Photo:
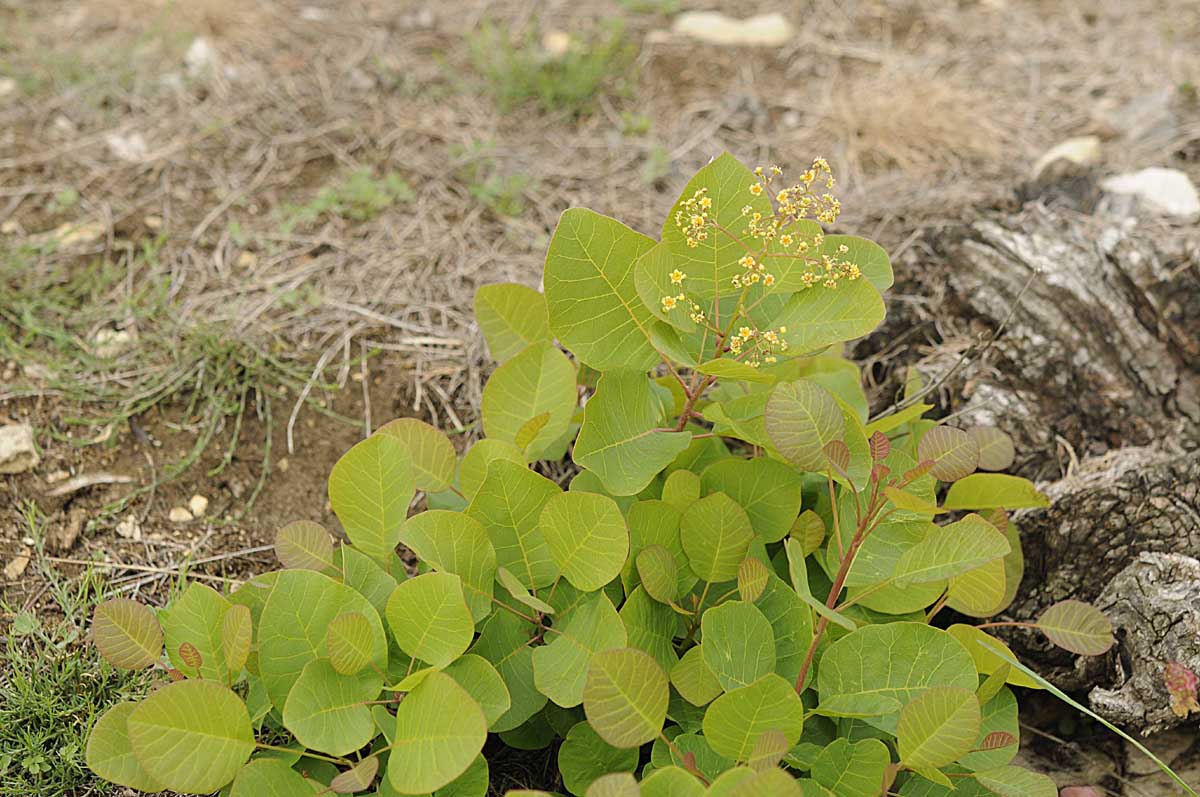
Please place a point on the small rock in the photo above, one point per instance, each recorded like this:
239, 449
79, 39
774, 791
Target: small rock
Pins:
10, 227
130, 529
179, 514
62, 538
17, 451
247, 260
198, 505
110, 342
57, 476
7, 86
282, 465
556, 43
200, 57
764, 30
14, 569
131, 148
1166, 191
153, 223
1082, 151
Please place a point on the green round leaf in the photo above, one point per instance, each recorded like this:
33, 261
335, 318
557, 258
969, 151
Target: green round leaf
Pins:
852, 769
992, 490
305, 545
734, 721
953, 452
768, 490
769, 750
680, 489
590, 293
870, 257
511, 317
538, 380
996, 450
192, 632
692, 678
620, 439
1078, 627
267, 777
504, 642
349, 641
440, 729
614, 784
508, 504
433, 457
560, 668
370, 489
987, 662
472, 783
979, 592
801, 417
752, 578
715, 533
651, 627
819, 316
110, 754
893, 660
1013, 781
454, 542
938, 727
236, 633
739, 645
950, 551
999, 734
809, 531
191, 736
584, 757
127, 634
626, 697
475, 462
327, 711
671, 781
477, 675
658, 572
587, 537
429, 618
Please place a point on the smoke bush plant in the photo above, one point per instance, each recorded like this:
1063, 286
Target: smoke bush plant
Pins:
733, 596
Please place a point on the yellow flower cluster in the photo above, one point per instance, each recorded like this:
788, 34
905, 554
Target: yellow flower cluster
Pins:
797, 201
669, 303
830, 270
755, 272
759, 347
692, 218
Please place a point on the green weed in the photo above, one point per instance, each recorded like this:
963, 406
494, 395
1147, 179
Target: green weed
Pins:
568, 83
501, 192
357, 196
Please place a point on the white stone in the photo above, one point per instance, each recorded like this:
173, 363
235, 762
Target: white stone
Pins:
198, 505
17, 451
14, 569
130, 529
556, 43
200, 57
1082, 151
179, 514
111, 342
1166, 191
131, 148
7, 86
764, 30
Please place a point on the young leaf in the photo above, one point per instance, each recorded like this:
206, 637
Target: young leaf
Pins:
191, 736
734, 721
938, 727
739, 644
658, 572
1078, 627
454, 542
190, 656
593, 304
979, 592
992, 490
954, 453
370, 489
508, 503
305, 545
110, 754
715, 533
620, 440
801, 417
127, 634
626, 697
587, 538
515, 588
996, 450
433, 457
752, 578
511, 317
429, 618
881, 446
327, 711
358, 778
560, 668
440, 729
692, 678
348, 639
837, 454
538, 380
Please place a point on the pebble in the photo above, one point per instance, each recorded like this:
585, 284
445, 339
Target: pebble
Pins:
17, 450
1169, 192
713, 27
179, 514
198, 505
130, 529
14, 569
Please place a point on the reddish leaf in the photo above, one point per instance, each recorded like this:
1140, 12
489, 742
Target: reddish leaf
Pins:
838, 454
999, 518
1181, 683
190, 656
174, 674
997, 740
881, 446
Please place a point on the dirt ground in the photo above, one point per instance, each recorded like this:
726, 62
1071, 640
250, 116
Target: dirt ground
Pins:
236, 237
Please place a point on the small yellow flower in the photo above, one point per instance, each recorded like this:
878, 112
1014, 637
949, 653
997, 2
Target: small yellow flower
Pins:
745, 333
770, 358
843, 249
770, 337
831, 283
746, 262
786, 240
758, 170
808, 278
753, 278
669, 302
768, 280
697, 221
678, 277
782, 196
783, 330
756, 189
776, 170
737, 281
706, 202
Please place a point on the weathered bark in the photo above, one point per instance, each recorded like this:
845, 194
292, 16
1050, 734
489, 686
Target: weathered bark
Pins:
1096, 375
